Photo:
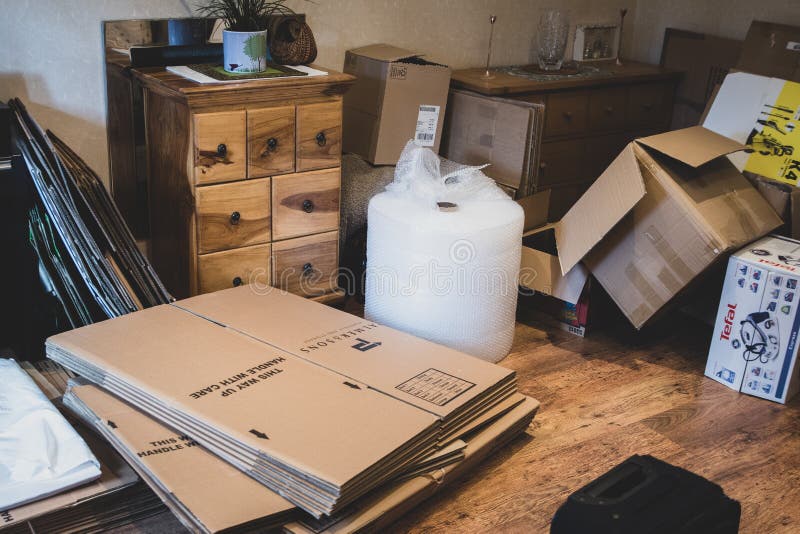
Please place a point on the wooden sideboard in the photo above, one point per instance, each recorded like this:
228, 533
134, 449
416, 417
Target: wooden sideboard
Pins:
588, 120
243, 181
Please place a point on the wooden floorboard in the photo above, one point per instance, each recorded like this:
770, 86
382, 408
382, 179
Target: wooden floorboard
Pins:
614, 394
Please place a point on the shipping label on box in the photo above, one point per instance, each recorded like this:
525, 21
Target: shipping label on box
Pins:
754, 347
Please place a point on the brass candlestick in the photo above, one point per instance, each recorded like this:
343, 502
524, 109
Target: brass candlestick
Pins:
622, 13
488, 75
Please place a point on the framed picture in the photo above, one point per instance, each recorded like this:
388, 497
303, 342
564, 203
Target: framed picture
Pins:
595, 42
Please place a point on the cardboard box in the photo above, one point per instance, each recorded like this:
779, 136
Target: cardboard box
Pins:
784, 199
667, 207
398, 96
562, 296
762, 113
754, 347
771, 50
502, 132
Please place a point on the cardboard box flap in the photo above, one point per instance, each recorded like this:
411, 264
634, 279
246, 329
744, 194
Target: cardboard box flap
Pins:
384, 52
693, 146
540, 271
536, 208
603, 205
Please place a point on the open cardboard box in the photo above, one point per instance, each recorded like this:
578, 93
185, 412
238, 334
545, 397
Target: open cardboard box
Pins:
563, 296
667, 208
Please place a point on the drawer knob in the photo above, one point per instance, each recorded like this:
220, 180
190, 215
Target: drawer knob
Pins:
321, 140
307, 269
543, 165
308, 206
235, 217
272, 144
609, 110
222, 150
567, 115
237, 281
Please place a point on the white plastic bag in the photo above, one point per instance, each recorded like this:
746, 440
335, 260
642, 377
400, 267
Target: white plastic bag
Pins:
445, 273
40, 453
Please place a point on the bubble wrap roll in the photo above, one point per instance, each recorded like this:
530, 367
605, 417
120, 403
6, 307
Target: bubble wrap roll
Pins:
447, 276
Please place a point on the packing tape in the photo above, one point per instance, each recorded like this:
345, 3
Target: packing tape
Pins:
644, 287
670, 256
670, 282
641, 314
743, 216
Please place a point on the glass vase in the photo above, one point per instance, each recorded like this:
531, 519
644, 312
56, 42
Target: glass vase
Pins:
552, 38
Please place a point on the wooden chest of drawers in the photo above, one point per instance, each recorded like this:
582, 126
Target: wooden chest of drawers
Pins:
243, 182
588, 120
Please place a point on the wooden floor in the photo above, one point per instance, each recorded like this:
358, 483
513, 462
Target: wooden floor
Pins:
605, 398
612, 395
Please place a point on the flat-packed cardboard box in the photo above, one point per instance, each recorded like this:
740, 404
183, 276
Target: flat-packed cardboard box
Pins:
667, 207
503, 132
398, 96
754, 347
771, 50
566, 295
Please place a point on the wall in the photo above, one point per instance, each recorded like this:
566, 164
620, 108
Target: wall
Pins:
723, 18
53, 54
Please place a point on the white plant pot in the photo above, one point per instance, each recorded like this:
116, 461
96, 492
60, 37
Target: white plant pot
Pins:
244, 51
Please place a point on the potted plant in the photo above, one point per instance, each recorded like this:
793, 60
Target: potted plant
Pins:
244, 41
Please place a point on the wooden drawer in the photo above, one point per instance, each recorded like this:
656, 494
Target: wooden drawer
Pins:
319, 135
561, 162
231, 268
305, 203
233, 215
270, 141
607, 109
565, 114
220, 147
307, 265
649, 105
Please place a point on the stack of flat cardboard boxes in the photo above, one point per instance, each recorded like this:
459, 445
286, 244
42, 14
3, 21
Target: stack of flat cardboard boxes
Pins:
250, 377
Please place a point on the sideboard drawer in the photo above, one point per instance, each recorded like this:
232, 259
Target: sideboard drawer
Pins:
231, 268
319, 135
307, 265
233, 215
607, 109
565, 114
305, 203
561, 162
649, 105
270, 141
220, 147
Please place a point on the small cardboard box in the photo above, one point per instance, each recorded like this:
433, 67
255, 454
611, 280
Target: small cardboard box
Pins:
398, 96
754, 347
563, 296
665, 209
503, 132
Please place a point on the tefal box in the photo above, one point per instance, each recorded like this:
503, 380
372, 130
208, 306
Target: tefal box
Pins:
398, 96
542, 284
754, 348
666, 208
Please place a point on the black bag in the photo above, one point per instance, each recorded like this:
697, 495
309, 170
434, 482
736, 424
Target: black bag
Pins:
644, 495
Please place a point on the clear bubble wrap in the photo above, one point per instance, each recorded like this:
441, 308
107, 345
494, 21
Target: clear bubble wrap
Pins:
445, 274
